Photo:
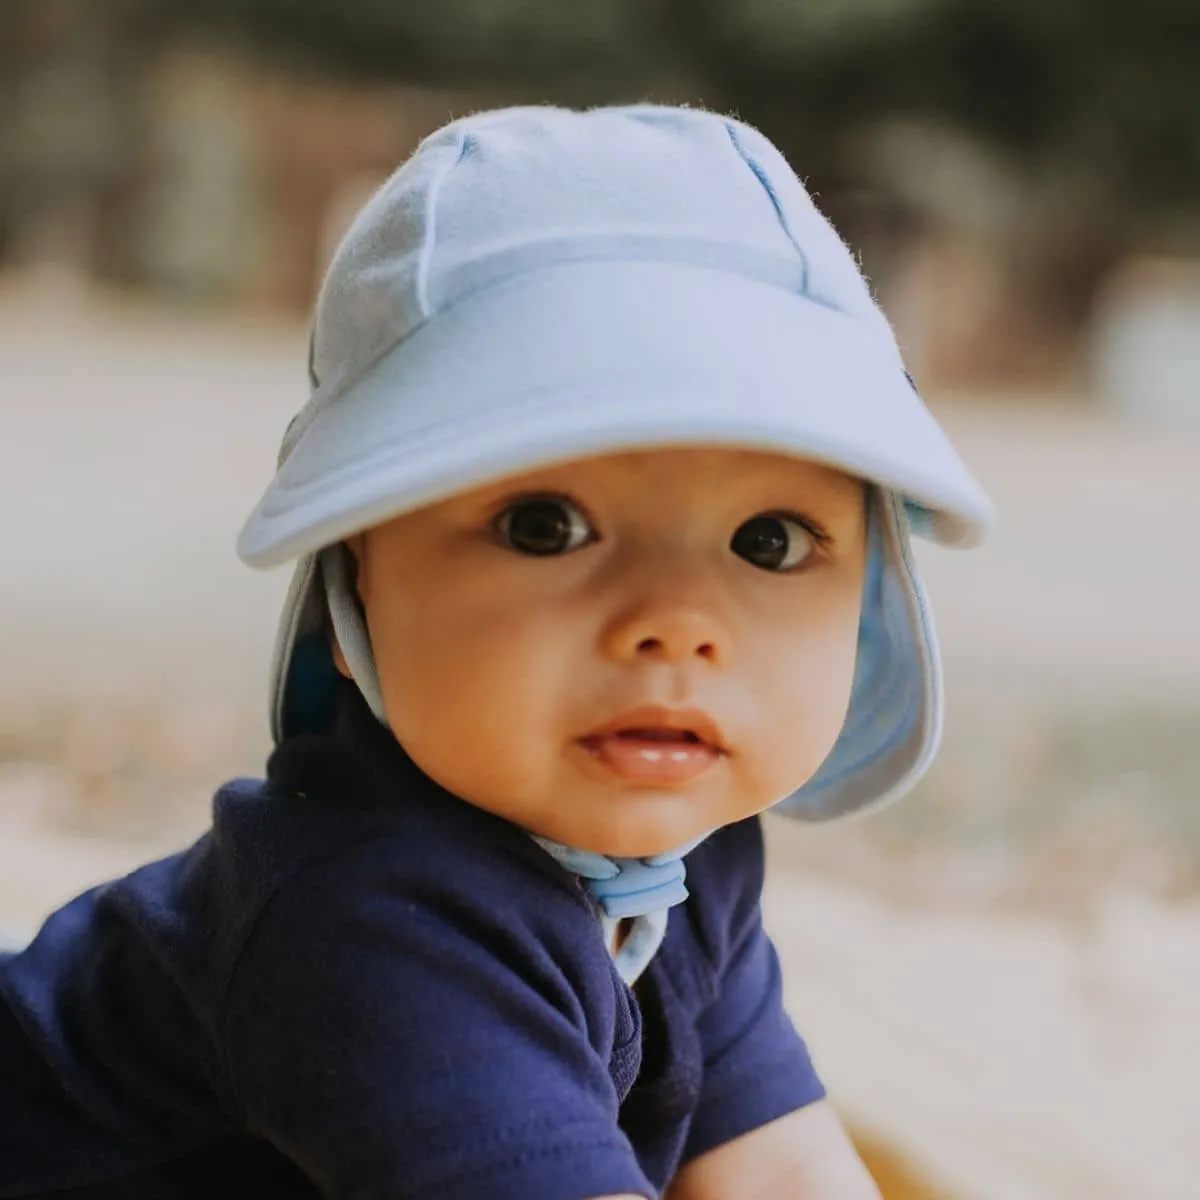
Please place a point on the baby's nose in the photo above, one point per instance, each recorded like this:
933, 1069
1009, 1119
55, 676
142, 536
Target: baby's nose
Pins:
670, 633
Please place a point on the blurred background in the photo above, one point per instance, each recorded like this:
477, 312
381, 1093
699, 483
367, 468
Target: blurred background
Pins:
999, 976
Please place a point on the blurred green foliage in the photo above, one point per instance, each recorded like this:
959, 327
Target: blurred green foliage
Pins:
1110, 81
533, 40
1113, 81
1100, 93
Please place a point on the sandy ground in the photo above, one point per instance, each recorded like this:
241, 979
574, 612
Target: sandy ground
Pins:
1019, 1057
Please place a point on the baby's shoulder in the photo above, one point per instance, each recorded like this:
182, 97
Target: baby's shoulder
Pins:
319, 832
725, 881
354, 839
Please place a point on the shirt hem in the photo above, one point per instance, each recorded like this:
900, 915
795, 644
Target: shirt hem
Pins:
553, 1172
746, 1104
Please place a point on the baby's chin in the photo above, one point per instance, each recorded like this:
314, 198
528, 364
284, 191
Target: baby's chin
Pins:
636, 836
621, 823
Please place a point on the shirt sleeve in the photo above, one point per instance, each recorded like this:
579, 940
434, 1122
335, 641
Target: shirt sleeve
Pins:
399, 1040
756, 1066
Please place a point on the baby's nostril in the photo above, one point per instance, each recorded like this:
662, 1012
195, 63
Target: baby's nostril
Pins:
656, 647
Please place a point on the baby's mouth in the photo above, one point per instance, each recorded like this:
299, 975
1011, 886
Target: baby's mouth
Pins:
659, 750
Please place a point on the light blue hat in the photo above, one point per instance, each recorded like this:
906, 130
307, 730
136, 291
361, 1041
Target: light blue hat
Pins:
537, 285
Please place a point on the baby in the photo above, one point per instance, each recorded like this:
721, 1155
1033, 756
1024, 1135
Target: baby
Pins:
602, 503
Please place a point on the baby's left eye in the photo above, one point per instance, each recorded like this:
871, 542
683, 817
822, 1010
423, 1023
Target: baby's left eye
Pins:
774, 542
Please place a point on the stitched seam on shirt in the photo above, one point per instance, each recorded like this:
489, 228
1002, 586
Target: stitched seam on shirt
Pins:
510, 1133
509, 1163
723, 1100
748, 1072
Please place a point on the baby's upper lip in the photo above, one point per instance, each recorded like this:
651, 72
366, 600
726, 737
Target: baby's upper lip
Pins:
659, 718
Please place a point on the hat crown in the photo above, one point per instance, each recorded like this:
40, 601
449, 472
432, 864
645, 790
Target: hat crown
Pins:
502, 192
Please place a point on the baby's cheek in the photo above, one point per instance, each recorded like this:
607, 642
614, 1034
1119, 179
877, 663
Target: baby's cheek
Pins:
775, 772
800, 724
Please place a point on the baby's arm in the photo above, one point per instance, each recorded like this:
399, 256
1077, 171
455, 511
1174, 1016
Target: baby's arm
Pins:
762, 1128
804, 1156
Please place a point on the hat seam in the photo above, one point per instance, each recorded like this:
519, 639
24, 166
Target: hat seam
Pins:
759, 173
429, 243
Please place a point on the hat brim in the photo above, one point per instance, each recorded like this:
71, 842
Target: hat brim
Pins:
591, 357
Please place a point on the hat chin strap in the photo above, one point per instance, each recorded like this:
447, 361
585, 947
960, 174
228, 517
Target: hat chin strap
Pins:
349, 624
640, 888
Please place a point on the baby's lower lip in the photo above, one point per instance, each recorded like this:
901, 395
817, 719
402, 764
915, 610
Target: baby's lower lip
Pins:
649, 760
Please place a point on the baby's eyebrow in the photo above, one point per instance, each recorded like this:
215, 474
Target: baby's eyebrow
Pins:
502, 499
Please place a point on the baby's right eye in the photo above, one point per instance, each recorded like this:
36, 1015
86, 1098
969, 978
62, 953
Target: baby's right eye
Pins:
543, 526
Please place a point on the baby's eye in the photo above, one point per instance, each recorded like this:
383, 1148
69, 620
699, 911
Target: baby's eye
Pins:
773, 542
544, 526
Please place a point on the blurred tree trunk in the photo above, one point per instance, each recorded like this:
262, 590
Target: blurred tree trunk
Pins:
977, 313
325, 144
1001, 268
65, 127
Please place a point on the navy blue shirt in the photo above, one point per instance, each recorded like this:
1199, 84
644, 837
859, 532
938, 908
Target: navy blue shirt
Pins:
358, 986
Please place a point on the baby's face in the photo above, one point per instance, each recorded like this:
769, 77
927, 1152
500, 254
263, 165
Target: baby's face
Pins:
624, 652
